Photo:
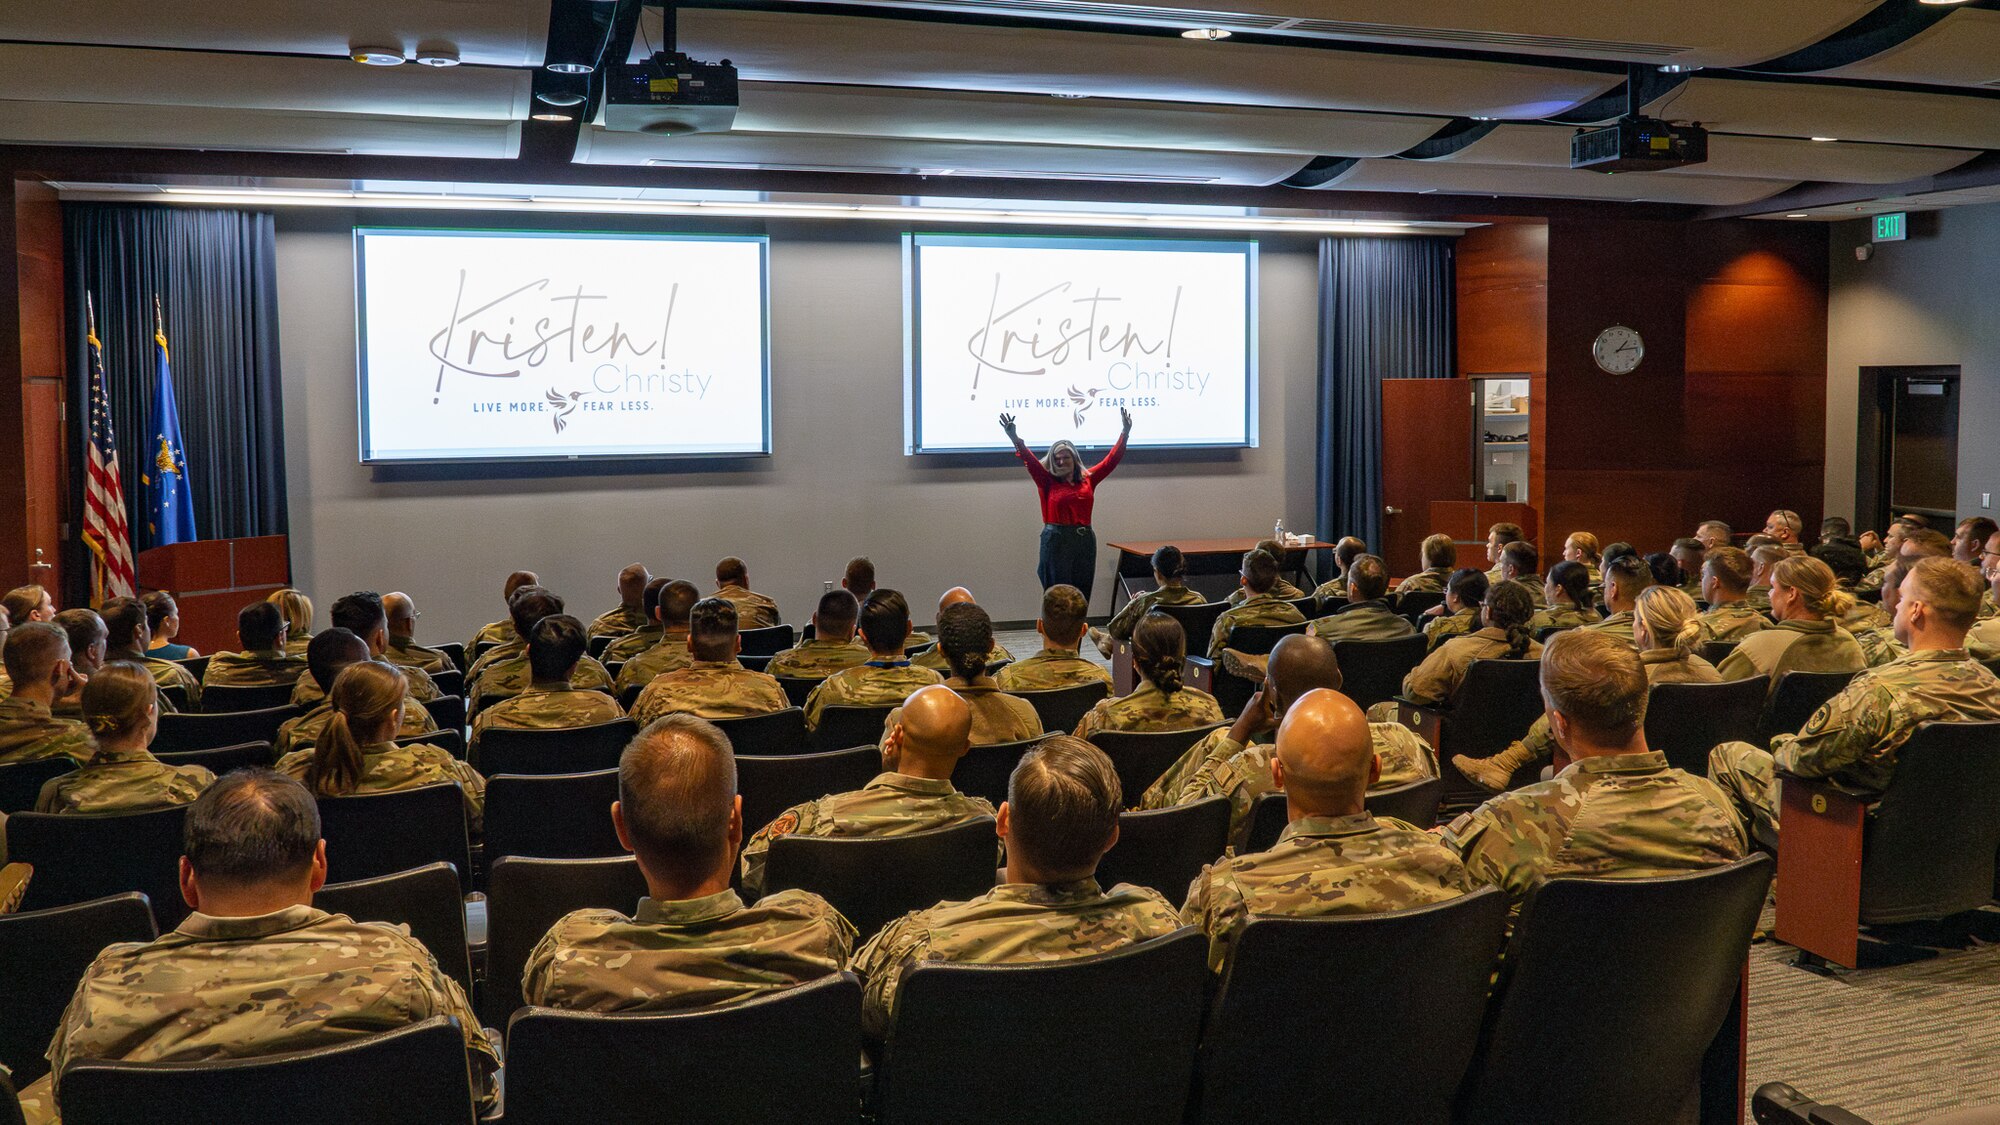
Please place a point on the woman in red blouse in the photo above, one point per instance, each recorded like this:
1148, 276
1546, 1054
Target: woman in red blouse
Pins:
1069, 546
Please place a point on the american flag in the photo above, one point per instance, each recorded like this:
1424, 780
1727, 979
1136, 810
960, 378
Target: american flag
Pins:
104, 529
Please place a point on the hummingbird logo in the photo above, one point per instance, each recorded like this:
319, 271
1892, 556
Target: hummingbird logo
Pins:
563, 406
1080, 403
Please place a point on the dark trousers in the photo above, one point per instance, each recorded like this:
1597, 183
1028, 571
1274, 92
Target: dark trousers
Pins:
1069, 557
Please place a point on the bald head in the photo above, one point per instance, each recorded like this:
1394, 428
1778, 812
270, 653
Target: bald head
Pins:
401, 612
932, 734
1326, 755
632, 585
1300, 663
957, 595
677, 807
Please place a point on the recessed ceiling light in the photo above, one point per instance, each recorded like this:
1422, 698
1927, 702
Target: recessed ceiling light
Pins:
571, 67
1066, 96
376, 56
560, 97
1823, 140
437, 56
1941, 3
1477, 118
1797, 215
1209, 33
1679, 68
551, 115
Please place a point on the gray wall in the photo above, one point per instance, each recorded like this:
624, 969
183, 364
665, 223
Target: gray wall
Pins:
1927, 300
836, 485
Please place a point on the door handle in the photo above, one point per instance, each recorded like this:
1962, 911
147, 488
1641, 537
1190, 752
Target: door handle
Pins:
1392, 511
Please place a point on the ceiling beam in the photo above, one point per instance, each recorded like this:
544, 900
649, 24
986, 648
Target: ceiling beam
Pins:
1981, 171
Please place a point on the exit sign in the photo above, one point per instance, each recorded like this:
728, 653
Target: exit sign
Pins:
1893, 227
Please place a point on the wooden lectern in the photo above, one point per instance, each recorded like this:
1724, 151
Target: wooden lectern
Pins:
211, 579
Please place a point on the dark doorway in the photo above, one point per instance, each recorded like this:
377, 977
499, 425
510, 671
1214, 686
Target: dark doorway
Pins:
1908, 447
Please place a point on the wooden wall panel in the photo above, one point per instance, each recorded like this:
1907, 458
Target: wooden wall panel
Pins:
39, 293
1503, 301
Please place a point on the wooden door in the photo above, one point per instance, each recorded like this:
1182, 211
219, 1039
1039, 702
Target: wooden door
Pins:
1426, 456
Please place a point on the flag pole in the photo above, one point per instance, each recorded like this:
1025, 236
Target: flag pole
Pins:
159, 321
90, 312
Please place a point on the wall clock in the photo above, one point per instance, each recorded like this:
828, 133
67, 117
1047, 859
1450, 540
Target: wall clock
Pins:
1618, 349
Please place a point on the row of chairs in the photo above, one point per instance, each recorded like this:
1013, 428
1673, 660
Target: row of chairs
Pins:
1375, 1018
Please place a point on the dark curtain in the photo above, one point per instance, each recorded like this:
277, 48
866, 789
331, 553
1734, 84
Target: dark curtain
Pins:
215, 274
1386, 311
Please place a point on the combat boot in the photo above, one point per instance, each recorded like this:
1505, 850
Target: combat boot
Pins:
1492, 774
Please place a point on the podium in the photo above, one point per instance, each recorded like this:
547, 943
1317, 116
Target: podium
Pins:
212, 579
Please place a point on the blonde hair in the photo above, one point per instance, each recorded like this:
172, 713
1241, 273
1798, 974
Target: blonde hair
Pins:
1586, 544
365, 695
1814, 582
116, 699
1671, 619
297, 608
1076, 470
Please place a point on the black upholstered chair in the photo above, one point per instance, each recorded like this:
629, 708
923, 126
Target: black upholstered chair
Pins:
554, 815
370, 834
426, 899
220, 698
21, 782
79, 858
984, 770
1686, 721
1140, 757
231, 728
873, 880
842, 727
221, 759
1060, 709
1415, 803
1797, 696
567, 750
1372, 672
776, 732
1496, 704
767, 641
1166, 848
772, 783
45, 953
524, 897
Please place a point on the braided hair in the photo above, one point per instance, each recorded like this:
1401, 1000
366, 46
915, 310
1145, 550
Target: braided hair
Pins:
1159, 645
1508, 607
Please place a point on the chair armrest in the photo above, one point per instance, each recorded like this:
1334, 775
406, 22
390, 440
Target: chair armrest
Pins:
1819, 869
1198, 672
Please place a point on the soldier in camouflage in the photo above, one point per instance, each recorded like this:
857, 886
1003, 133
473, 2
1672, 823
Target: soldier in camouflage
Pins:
1520, 562
37, 659
1171, 587
965, 633
120, 707
1345, 551
126, 638
1160, 702
354, 754
1505, 613
1853, 740
363, 614
502, 631
1618, 811
1690, 556
264, 661
1236, 763
504, 670
732, 584
1333, 857
1566, 593
930, 733
255, 970
630, 616
403, 650
1725, 583
1625, 578
1806, 601
1366, 616
934, 658
670, 652
713, 685
649, 631
548, 702
887, 677
1261, 606
1458, 614
1061, 816
834, 647
1440, 556
691, 943
1983, 642
330, 652
1059, 664
1280, 588
1497, 538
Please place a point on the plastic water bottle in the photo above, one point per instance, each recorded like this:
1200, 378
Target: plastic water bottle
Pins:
1278, 532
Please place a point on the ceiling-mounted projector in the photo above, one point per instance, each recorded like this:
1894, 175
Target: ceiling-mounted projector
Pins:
1638, 144
670, 95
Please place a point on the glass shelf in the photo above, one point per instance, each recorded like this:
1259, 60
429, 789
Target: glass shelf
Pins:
1499, 404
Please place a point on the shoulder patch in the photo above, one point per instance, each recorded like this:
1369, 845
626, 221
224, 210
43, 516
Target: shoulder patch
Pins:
785, 825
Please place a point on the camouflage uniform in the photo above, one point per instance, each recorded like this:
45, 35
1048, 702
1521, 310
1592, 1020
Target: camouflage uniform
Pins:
996, 716
712, 689
1618, 625
1147, 708
1264, 609
1120, 627
498, 633
548, 707
513, 675
406, 653
1618, 816
1244, 776
1013, 922
166, 673
1758, 598
28, 732
1983, 642
1280, 589
819, 659
1731, 621
306, 690
696, 953
295, 645
634, 643
122, 781
1494, 577
6, 685
1363, 621
894, 804
617, 623
1331, 588
1052, 668
876, 683
387, 767
1425, 581
1663, 666
1533, 584
753, 610
669, 655
1563, 617
1794, 646
1437, 679
933, 658
302, 732
1879, 645
253, 669
506, 650
1853, 740
1323, 865
1867, 615
1447, 626
227, 988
